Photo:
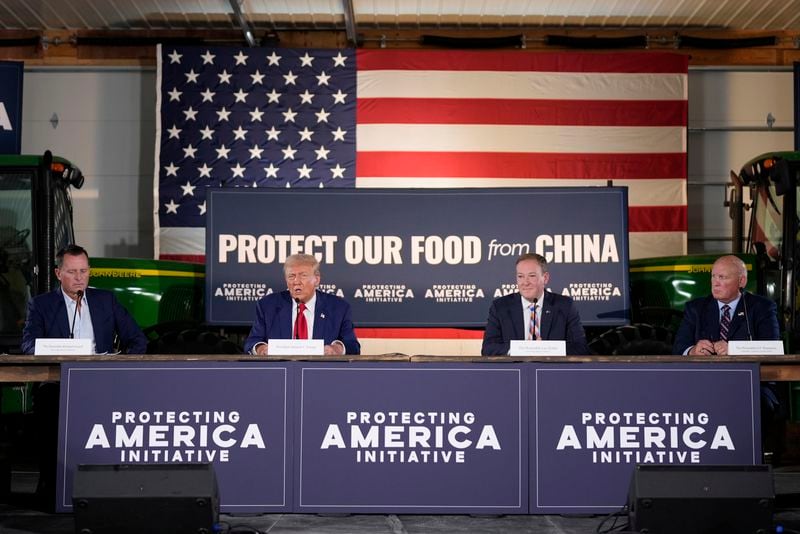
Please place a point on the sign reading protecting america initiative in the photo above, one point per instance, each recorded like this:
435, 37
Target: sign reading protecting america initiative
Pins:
230, 415
418, 257
411, 439
591, 424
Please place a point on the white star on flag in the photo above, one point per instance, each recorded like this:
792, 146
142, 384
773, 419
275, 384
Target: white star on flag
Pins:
272, 171
304, 171
171, 169
188, 188
172, 207
189, 151
238, 170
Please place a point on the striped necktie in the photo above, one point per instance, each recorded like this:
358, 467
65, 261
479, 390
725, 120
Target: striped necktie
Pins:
533, 329
725, 323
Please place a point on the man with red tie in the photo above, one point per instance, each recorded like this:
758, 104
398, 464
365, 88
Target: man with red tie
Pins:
729, 312
303, 312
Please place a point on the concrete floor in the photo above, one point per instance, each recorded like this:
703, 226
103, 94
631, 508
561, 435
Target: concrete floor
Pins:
18, 515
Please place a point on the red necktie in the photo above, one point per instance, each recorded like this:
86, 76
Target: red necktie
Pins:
300, 324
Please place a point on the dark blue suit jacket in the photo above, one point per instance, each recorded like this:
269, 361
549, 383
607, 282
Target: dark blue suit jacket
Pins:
560, 320
47, 318
332, 321
701, 321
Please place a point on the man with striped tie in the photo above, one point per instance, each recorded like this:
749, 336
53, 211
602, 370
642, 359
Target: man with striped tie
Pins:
533, 313
730, 312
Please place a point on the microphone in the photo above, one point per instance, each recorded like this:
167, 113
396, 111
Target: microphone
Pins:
78, 294
743, 291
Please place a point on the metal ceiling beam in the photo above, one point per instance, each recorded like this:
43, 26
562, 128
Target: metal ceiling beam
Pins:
350, 21
243, 24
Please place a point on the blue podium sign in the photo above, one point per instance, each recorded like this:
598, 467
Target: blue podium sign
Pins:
412, 439
590, 425
231, 415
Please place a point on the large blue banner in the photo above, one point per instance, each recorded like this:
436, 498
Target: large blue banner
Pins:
418, 257
385, 437
10, 107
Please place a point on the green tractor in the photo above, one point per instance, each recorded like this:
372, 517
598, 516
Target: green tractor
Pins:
165, 297
661, 286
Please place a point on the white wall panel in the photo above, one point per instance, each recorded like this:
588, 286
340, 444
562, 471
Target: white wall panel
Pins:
727, 117
106, 126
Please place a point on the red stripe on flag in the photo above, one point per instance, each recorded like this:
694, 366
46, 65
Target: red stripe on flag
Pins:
516, 165
657, 219
418, 333
460, 60
505, 111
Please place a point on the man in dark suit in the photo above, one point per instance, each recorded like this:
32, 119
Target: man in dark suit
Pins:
533, 313
86, 313
303, 312
728, 313
96, 312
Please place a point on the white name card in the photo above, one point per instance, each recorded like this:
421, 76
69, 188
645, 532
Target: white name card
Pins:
755, 348
296, 347
62, 347
544, 347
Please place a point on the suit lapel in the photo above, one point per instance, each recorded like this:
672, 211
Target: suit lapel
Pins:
515, 312
320, 312
547, 314
285, 326
738, 322
61, 318
711, 319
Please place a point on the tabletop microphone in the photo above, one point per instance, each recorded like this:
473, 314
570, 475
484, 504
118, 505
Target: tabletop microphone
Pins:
746, 316
78, 294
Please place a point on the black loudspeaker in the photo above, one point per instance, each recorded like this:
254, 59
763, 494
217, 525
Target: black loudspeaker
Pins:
153, 498
707, 499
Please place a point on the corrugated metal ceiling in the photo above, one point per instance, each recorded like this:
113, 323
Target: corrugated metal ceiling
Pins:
269, 15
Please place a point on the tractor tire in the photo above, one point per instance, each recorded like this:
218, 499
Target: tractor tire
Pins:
192, 341
634, 340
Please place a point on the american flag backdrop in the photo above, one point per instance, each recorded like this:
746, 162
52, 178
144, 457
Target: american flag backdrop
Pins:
260, 117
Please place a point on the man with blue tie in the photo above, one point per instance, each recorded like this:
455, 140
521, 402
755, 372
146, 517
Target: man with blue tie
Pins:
303, 312
533, 313
729, 313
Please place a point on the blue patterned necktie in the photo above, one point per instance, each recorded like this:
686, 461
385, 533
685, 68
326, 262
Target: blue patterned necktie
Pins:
725, 323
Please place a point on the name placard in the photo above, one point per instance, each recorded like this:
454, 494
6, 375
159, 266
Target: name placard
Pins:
296, 347
756, 348
62, 346
543, 347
